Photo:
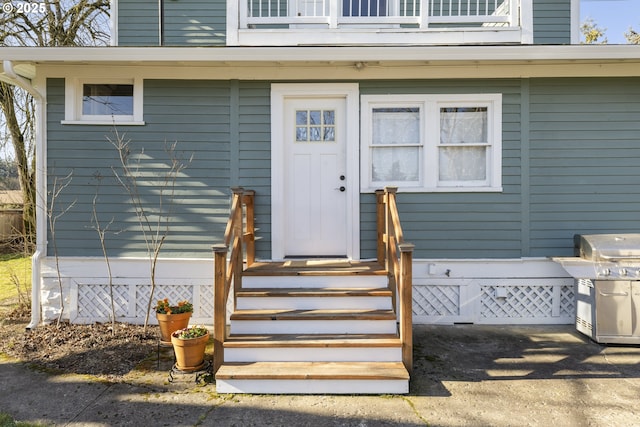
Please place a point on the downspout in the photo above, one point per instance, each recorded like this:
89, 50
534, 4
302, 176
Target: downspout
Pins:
40, 188
161, 22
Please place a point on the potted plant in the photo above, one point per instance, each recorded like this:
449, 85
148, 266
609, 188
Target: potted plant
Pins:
189, 345
171, 318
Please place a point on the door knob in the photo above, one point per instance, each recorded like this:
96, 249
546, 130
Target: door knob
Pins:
342, 188
342, 178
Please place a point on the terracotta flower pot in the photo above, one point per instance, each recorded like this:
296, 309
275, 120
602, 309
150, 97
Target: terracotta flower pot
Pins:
169, 323
190, 352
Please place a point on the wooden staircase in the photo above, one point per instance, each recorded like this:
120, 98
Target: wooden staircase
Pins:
308, 327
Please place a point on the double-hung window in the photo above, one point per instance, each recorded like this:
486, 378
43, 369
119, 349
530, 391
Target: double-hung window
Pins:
432, 142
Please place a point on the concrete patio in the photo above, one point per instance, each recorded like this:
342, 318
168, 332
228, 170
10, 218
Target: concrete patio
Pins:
464, 375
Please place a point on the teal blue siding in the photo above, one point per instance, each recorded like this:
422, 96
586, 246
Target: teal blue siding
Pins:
585, 157
552, 21
192, 22
571, 150
255, 155
195, 22
193, 114
138, 23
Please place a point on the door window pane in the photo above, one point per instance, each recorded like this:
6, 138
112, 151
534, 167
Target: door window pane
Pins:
315, 126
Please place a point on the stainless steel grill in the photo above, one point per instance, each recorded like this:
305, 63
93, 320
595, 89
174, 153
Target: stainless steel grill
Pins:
607, 273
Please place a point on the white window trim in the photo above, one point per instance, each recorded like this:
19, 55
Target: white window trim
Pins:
428, 163
73, 102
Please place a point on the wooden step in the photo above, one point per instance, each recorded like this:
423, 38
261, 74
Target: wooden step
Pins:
313, 348
313, 281
312, 314
313, 298
313, 292
314, 340
282, 321
313, 378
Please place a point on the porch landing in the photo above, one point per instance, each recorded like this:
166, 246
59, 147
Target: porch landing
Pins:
300, 267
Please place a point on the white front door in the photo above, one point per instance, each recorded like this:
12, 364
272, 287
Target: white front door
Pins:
315, 177
314, 173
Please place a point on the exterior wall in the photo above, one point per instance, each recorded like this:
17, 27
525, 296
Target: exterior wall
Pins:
584, 151
254, 154
534, 291
203, 23
138, 23
193, 114
516, 291
552, 21
195, 22
570, 155
187, 22
570, 150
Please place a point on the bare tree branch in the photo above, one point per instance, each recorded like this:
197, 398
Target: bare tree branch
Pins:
63, 23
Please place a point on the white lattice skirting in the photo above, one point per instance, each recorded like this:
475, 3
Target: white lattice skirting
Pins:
444, 291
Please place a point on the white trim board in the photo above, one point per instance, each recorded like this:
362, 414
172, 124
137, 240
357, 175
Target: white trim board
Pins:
191, 56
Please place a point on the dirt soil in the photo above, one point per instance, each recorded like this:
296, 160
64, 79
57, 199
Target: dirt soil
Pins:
98, 349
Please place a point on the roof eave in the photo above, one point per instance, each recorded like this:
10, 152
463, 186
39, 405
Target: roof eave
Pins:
460, 54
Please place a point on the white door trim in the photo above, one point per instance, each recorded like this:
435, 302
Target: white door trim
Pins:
280, 92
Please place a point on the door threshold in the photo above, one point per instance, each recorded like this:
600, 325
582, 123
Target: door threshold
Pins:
318, 263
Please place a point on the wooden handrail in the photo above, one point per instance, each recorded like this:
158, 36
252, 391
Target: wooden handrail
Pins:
239, 233
398, 266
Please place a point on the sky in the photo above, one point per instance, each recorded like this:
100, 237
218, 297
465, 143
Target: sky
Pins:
614, 15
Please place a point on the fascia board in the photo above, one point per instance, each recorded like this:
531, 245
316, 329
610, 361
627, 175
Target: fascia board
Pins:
460, 54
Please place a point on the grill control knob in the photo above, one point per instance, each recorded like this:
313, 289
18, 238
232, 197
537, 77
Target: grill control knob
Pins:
623, 272
606, 272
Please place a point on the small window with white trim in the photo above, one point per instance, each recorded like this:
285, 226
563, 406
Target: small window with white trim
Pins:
100, 99
432, 142
103, 101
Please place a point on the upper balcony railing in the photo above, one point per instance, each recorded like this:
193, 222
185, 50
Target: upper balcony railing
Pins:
377, 13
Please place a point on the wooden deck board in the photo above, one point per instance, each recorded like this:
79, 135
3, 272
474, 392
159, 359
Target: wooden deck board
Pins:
314, 340
314, 268
286, 314
313, 292
313, 371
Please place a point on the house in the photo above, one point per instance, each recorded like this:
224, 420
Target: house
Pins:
504, 136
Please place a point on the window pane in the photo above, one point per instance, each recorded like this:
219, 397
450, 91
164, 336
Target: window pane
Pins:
315, 125
463, 164
395, 164
329, 134
315, 134
396, 126
301, 134
463, 125
314, 117
329, 117
301, 117
107, 100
